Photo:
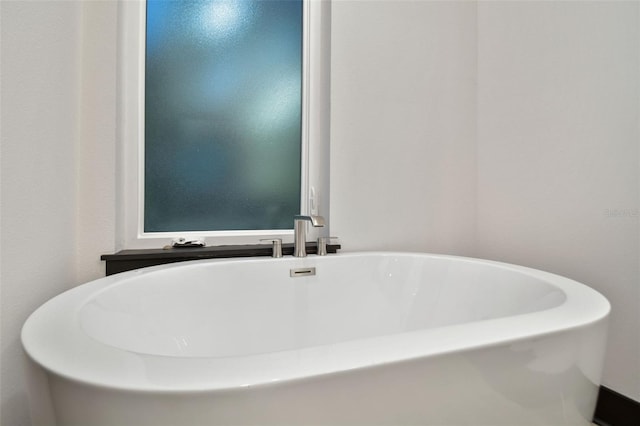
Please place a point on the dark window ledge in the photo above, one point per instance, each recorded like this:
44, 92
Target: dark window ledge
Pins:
127, 260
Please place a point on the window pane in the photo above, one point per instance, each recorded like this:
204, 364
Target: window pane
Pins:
223, 95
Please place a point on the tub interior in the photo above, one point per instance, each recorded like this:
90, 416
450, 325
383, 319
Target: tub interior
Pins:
249, 307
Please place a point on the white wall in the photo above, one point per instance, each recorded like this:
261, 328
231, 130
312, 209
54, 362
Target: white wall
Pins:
96, 168
403, 125
58, 173
558, 144
39, 133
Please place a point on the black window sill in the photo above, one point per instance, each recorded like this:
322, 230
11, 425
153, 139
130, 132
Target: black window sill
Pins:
127, 260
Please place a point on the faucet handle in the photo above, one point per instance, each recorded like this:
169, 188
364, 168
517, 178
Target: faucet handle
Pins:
277, 246
322, 245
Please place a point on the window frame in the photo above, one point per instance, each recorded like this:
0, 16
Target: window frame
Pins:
130, 128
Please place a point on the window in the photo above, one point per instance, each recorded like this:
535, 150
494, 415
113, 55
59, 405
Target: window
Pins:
223, 115
215, 136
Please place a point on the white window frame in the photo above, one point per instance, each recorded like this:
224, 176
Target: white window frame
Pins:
130, 161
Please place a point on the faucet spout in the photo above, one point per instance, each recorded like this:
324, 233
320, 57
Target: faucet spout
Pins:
300, 231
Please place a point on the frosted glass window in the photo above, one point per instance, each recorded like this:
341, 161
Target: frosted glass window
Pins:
223, 112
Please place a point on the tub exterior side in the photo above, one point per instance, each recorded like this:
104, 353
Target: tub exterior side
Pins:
549, 380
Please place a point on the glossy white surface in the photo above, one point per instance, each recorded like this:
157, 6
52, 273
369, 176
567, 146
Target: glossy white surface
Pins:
366, 323
254, 307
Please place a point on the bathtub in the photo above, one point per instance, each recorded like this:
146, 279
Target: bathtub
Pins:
347, 339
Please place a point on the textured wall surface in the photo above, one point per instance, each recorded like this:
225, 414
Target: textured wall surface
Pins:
40, 88
558, 145
58, 170
403, 121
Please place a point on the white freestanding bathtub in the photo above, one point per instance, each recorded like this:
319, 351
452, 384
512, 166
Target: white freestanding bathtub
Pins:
371, 338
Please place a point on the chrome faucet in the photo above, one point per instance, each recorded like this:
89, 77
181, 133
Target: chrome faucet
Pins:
300, 232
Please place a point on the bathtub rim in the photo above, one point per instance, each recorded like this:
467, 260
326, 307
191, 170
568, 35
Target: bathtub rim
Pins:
104, 366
